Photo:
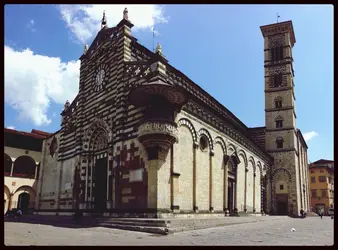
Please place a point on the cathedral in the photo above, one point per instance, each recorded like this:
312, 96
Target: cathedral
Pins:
141, 139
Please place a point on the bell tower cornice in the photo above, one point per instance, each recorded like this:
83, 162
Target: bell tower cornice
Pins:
278, 28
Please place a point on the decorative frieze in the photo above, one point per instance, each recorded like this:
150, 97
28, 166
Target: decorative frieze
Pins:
158, 128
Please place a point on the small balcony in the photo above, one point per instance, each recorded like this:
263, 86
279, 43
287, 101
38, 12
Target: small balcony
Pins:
157, 137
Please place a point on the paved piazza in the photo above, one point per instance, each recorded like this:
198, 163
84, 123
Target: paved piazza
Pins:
309, 231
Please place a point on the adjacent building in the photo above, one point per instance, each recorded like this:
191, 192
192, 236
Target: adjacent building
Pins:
142, 139
22, 157
322, 185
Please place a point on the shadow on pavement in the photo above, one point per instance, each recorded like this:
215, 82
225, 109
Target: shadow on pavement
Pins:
56, 221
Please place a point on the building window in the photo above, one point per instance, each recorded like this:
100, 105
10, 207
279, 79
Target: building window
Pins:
281, 187
313, 179
277, 53
322, 171
203, 143
322, 178
278, 104
277, 81
311, 172
314, 193
279, 122
279, 142
323, 193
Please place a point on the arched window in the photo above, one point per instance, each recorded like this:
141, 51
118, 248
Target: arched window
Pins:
278, 102
24, 166
277, 53
7, 165
203, 143
279, 142
277, 80
279, 122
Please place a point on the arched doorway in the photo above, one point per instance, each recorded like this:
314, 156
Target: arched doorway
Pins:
232, 176
23, 201
98, 145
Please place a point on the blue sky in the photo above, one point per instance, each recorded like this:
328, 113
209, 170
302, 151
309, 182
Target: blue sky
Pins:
220, 47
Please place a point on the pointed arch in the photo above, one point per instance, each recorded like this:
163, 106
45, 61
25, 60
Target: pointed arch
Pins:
206, 133
97, 125
99, 139
281, 170
231, 148
278, 98
188, 124
220, 141
279, 118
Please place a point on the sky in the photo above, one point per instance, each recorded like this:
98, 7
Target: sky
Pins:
219, 47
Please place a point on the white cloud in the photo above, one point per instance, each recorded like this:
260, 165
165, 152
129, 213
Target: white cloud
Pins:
32, 81
30, 25
309, 135
84, 20
11, 127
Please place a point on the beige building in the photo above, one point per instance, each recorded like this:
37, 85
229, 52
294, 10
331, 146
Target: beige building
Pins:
142, 139
22, 159
322, 185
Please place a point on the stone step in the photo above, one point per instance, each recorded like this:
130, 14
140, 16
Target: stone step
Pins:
148, 229
136, 222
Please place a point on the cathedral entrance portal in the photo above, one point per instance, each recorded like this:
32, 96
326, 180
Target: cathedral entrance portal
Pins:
100, 188
282, 204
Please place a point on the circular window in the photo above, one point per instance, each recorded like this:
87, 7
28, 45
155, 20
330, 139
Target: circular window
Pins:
203, 143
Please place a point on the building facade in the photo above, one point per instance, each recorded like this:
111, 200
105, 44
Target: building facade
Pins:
22, 157
322, 185
142, 139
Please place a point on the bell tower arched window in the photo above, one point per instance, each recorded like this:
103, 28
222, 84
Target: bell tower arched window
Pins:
277, 53
278, 102
279, 142
279, 122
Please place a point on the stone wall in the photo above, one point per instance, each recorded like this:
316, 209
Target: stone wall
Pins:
191, 130
183, 165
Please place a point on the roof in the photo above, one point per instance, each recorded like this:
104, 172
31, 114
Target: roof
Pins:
24, 140
38, 134
322, 161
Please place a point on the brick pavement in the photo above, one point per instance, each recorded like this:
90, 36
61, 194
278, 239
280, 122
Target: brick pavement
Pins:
272, 231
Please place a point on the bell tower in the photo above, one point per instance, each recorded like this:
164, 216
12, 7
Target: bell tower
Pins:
280, 116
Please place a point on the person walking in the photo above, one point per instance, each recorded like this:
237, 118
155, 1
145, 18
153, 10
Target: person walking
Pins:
321, 214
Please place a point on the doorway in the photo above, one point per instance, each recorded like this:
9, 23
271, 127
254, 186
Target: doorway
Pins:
23, 202
282, 204
231, 195
100, 188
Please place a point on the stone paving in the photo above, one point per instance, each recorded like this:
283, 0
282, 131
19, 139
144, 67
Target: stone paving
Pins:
275, 231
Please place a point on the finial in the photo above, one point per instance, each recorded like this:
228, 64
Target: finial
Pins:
125, 14
159, 49
278, 16
104, 20
85, 49
66, 106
